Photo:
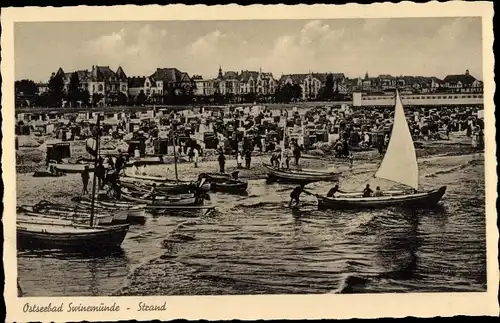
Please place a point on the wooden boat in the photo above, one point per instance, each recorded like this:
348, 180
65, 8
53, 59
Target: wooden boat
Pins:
226, 183
299, 176
143, 161
166, 188
399, 165
48, 173
41, 235
135, 214
72, 168
70, 214
229, 186
161, 201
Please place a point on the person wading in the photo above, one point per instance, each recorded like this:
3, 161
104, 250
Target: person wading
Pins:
295, 195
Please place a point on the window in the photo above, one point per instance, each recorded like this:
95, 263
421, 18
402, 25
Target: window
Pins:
101, 88
439, 97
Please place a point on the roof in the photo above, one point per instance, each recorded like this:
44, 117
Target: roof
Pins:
170, 75
136, 81
465, 79
246, 75
231, 75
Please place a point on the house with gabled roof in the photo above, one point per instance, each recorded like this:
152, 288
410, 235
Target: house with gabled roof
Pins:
148, 85
463, 83
100, 79
173, 79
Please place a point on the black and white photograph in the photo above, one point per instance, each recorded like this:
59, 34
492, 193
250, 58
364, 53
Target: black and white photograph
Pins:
252, 156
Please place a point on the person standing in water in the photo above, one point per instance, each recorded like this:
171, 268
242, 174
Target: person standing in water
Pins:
295, 195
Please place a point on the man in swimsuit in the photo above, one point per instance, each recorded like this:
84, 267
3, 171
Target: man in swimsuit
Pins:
295, 195
333, 190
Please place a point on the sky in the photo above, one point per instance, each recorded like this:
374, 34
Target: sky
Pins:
397, 46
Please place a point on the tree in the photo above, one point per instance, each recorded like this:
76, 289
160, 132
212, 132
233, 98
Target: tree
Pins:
122, 98
74, 92
141, 98
96, 98
297, 92
56, 90
85, 97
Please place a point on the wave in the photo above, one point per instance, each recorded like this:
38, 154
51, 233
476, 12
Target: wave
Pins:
351, 284
454, 168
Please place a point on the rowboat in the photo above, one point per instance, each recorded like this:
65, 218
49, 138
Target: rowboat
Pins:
143, 161
47, 173
41, 235
135, 214
299, 176
74, 216
162, 201
226, 183
229, 186
399, 165
154, 179
167, 188
72, 168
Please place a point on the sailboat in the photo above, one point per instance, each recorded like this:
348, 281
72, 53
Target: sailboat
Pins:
399, 165
296, 175
43, 234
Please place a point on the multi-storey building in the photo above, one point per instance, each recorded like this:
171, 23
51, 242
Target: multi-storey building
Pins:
463, 83
101, 80
174, 80
312, 83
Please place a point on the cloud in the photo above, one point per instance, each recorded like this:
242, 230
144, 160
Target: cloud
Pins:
310, 48
207, 45
138, 49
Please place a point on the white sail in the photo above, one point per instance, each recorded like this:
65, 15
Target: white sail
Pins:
400, 161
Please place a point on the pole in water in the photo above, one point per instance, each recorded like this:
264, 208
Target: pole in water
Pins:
92, 204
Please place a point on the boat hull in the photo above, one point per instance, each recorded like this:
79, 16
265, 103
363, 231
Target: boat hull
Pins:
36, 237
419, 200
72, 168
235, 187
296, 176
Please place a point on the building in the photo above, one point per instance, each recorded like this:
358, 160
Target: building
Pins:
463, 83
174, 80
312, 83
149, 86
203, 87
42, 88
100, 80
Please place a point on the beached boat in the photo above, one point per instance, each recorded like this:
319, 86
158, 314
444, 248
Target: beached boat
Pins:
41, 235
299, 176
134, 214
36, 234
161, 201
48, 172
72, 168
67, 214
166, 188
399, 165
224, 183
143, 161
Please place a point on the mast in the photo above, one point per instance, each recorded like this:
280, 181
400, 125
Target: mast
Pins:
96, 163
175, 158
284, 137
